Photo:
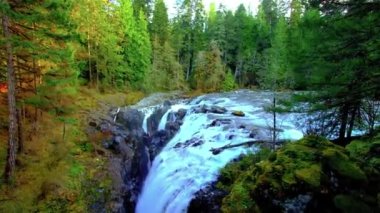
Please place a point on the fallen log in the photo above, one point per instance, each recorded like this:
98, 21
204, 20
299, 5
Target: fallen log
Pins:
216, 151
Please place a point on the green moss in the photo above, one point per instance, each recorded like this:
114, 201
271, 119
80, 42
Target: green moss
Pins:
310, 175
375, 162
238, 200
289, 179
349, 204
341, 164
358, 149
302, 167
76, 169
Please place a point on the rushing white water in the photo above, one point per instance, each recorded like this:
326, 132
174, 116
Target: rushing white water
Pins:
186, 164
164, 119
148, 111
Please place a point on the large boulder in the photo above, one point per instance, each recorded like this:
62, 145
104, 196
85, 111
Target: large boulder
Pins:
131, 119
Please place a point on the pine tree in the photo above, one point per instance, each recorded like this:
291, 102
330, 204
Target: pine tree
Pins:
40, 39
142, 5
209, 70
99, 30
160, 22
189, 26
341, 46
136, 47
166, 73
277, 74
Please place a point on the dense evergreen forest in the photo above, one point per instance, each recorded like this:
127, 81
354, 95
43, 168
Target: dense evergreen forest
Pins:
50, 49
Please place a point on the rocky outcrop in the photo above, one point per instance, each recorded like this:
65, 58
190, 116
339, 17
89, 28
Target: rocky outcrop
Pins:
133, 150
207, 200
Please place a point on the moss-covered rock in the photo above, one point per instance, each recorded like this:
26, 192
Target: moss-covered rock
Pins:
314, 166
341, 164
311, 175
358, 149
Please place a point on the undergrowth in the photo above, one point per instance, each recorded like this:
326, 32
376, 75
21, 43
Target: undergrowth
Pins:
57, 171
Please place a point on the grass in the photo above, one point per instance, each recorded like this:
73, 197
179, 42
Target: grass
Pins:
55, 174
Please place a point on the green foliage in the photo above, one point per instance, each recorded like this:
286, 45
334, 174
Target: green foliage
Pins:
160, 22
228, 83
76, 170
166, 73
358, 149
277, 75
209, 71
136, 47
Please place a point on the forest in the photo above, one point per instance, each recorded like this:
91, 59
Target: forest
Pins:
60, 59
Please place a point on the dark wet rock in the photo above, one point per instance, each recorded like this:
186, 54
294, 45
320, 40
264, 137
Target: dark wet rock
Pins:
238, 113
194, 142
218, 110
131, 119
210, 109
156, 142
181, 113
254, 133
207, 200
218, 122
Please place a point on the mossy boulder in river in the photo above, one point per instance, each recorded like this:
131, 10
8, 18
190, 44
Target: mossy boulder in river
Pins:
327, 177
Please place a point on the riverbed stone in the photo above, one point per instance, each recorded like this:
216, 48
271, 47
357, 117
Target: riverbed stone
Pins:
238, 113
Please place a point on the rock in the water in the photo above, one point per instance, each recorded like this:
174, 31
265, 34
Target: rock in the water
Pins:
181, 113
218, 110
211, 109
238, 113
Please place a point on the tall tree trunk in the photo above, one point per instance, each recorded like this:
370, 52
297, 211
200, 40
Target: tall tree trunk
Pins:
274, 123
352, 122
190, 66
343, 122
12, 139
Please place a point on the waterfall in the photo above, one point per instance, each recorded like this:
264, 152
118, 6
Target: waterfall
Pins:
164, 119
186, 164
147, 113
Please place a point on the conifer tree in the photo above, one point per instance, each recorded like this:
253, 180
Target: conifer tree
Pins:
160, 22
136, 47
209, 70
277, 74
